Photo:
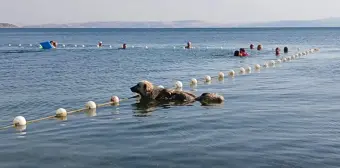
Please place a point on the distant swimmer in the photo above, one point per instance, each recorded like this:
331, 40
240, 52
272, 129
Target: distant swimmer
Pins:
100, 44
277, 51
54, 44
285, 50
123, 47
237, 53
188, 45
251, 46
259, 47
243, 52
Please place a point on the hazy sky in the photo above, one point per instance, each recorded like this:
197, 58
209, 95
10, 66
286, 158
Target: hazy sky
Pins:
24, 12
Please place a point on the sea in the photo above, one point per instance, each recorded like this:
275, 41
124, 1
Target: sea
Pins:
283, 116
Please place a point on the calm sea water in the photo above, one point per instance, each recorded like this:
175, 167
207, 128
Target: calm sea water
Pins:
287, 116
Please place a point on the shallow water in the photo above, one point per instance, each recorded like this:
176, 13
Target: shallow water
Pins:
286, 116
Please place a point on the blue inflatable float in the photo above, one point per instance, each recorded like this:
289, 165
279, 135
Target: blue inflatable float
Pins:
46, 45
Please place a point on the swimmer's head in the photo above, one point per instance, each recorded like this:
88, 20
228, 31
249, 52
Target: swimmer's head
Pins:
285, 50
237, 53
251, 46
259, 47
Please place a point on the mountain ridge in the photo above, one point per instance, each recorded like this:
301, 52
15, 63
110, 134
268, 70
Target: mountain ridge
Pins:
327, 22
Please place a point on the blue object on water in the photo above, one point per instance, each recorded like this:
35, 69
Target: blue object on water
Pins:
46, 45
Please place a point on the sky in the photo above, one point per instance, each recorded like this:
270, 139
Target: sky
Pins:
31, 12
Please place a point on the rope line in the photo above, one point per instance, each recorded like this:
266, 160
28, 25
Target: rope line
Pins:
20, 121
68, 113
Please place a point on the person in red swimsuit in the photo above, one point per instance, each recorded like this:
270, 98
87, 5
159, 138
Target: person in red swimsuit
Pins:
243, 52
277, 51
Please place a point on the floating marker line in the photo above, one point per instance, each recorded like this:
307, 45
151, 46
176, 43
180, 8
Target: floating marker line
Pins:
70, 112
21, 121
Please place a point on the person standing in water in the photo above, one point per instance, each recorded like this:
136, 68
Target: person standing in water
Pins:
100, 44
123, 47
285, 50
188, 45
277, 51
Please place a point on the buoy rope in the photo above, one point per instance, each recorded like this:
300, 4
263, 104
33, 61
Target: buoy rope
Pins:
70, 112
284, 59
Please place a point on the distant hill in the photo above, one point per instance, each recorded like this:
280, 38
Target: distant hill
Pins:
123, 24
329, 22
7, 25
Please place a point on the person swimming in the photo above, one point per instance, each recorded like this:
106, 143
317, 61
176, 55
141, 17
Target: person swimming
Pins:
259, 47
188, 45
100, 44
285, 50
237, 53
251, 46
54, 44
123, 47
243, 52
277, 51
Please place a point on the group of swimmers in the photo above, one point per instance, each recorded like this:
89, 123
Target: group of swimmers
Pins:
100, 44
243, 53
277, 50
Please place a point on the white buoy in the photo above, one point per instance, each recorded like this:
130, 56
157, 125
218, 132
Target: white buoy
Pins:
272, 63
178, 85
221, 48
284, 59
207, 78
61, 112
248, 69
9, 45
19, 121
64, 45
146, 47
75, 45
90, 105
220, 75
265, 65
20, 128
231, 73
174, 47
115, 99
133, 46
161, 86
292, 57
31, 45
242, 70
288, 58
83, 46
110, 46
19, 45
278, 61
193, 82
257, 66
